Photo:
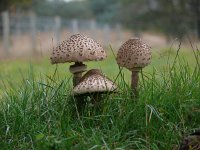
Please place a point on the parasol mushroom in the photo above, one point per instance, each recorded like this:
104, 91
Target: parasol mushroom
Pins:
93, 84
78, 48
134, 55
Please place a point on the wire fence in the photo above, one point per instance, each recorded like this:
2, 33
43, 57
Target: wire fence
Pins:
27, 33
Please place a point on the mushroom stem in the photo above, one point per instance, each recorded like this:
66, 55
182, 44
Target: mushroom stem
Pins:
77, 69
96, 99
76, 78
134, 83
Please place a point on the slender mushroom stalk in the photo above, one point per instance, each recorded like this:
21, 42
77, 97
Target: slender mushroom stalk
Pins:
78, 48
77, 69
134, 82
94, 83
134, 55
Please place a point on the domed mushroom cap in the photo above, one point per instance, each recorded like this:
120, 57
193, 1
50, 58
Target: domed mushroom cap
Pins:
134, 54
94, 81
77, 48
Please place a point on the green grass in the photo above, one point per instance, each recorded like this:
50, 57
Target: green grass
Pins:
39, 112
13, 71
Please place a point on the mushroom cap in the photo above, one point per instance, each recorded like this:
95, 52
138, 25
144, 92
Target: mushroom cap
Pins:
78, 48
94, 82
134, 54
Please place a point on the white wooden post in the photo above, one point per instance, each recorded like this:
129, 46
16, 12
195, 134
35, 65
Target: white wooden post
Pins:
93, 28
57, 28
33, 31
119, 32
18, 25
75, 26
106, 34
6, 31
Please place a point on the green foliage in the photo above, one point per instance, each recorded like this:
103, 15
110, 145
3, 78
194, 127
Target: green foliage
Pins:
70, 10
105, 10
175, 18
5, 4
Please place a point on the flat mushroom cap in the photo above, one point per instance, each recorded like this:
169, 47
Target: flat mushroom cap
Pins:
134, 54
93, 82
77, 48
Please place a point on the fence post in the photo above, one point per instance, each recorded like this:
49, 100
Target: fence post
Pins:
57, 28
33, 31
106, 30
119, 32
18, 24
93, 28
75, 26
6, 31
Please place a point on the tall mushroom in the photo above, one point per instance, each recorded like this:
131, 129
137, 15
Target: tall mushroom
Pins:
134, 55
78, 48
94, 83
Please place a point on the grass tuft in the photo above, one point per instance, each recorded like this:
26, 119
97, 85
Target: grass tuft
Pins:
41, 112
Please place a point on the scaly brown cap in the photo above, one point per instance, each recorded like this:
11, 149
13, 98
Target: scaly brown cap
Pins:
134, 54
94, 81
78, 48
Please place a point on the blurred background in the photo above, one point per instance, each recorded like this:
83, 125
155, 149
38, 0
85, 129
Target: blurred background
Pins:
29, 27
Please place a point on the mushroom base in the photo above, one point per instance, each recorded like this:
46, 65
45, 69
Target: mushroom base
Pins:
94, 103
95, 100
